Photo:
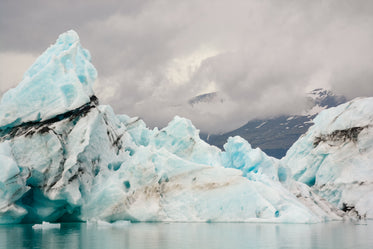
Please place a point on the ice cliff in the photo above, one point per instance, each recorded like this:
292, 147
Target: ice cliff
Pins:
65, 157
335, 157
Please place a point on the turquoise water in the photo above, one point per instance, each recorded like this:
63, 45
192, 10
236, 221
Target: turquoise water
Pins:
191, 235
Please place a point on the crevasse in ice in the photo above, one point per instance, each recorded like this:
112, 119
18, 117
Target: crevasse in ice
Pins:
64, 157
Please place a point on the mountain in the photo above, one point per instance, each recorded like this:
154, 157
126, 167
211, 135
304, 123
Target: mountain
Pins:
275, 135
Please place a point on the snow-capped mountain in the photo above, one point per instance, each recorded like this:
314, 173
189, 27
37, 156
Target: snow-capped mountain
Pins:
65, 157
275, 135
320, 99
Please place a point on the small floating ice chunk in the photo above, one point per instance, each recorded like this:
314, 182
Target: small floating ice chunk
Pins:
46, 225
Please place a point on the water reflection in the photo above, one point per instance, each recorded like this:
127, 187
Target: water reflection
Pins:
191, 235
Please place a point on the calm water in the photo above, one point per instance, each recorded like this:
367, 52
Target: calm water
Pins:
191, 235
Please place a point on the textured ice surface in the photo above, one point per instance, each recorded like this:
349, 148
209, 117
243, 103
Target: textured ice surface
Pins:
239, 155
92, 168
47, 225
60, 80
335, 157
12, 186
64, 157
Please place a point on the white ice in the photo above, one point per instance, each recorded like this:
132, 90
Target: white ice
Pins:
60, 80
335, 156
47, 225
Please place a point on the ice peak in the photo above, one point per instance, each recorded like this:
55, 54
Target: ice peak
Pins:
69, 36
59, 81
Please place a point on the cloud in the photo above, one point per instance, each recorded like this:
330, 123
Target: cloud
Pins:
12, 67
261, 56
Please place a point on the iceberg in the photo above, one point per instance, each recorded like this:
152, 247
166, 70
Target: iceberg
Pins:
335, 157
65, 157
47, 225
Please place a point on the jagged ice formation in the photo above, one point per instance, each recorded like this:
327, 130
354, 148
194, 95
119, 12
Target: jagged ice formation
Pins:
65, 157
335, 157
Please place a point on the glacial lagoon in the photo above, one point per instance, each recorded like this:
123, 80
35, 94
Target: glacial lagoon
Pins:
191, 235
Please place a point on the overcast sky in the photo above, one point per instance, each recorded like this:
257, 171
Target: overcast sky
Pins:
153, 56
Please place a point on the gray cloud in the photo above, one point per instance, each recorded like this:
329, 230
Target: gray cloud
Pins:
152, 56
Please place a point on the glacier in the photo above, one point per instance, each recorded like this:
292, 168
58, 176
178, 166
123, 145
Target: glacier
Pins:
65, 157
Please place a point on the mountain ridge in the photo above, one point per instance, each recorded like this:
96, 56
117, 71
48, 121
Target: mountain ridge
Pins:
276, 135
